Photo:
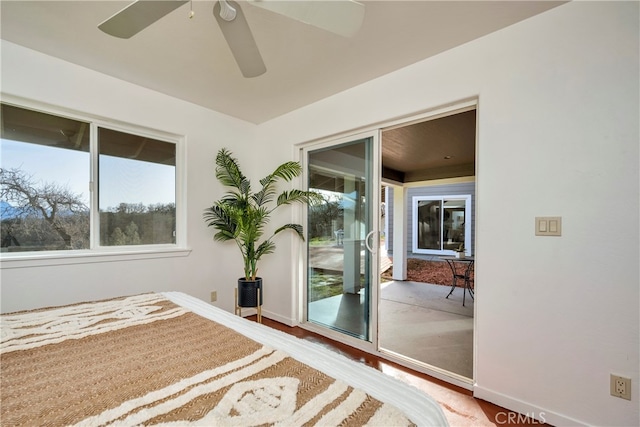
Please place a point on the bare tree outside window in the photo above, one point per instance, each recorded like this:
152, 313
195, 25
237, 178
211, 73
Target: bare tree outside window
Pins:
41, 216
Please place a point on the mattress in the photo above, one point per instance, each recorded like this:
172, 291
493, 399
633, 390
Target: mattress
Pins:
172, 359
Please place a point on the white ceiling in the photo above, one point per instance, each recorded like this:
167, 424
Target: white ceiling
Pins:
189, 59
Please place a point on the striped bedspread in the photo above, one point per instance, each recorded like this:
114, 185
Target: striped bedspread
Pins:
144, 360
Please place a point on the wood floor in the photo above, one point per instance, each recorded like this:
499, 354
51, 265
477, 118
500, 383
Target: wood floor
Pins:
460, 407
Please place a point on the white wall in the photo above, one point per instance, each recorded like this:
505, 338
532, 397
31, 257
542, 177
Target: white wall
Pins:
558, 135
209, 266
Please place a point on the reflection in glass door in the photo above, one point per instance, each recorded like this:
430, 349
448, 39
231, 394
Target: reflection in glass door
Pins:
340, 234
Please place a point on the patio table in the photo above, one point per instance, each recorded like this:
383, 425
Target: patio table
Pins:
461, 269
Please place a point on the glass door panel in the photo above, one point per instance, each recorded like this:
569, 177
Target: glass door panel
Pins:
454, 224
428, 224
340, 260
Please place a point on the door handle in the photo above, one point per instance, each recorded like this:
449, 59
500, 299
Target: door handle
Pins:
366, 242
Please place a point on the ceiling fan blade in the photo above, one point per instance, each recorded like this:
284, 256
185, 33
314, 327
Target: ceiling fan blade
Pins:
342, 17
241, 42
137, 16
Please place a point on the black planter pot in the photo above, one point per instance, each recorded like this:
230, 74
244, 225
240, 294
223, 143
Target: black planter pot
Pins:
248, 292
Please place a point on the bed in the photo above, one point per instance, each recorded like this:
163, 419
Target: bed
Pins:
171, 359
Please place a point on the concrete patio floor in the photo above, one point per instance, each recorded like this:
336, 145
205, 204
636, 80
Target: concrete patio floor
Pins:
415, 319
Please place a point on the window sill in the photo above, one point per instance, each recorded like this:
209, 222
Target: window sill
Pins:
27, 260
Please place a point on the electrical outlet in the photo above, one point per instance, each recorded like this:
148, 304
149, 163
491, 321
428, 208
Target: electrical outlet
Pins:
621, 387
214, 296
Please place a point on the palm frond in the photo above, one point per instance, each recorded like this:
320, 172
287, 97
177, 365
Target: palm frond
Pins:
266, 247
295, 227
228, 172
288, 170
219, 218
293, 196
266, 193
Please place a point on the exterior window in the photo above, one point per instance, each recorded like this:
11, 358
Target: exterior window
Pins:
136, 188
44, 187
46, 169
441, 224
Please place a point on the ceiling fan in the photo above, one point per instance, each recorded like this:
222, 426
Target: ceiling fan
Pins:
343, 17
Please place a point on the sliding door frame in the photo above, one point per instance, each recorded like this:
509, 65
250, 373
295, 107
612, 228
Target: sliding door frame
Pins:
370, 345
300, 274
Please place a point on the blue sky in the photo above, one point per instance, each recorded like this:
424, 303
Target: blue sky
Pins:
122, 180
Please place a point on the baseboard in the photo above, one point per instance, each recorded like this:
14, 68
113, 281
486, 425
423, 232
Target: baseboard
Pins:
246, 312
539, 414
278, 318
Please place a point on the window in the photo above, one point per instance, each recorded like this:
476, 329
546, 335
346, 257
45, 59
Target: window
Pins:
136, 189
46, 202
442, 224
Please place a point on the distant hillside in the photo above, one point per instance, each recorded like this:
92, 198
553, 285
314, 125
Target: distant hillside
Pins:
7, 211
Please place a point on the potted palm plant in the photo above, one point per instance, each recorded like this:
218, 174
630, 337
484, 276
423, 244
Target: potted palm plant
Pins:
242, 214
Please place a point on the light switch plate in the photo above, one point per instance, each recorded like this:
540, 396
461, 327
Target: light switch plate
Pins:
548, 226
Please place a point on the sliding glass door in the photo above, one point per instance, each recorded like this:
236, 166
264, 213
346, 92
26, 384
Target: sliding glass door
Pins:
342, 236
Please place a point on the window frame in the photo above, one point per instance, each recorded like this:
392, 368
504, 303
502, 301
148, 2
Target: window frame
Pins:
467, 226
95, 252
